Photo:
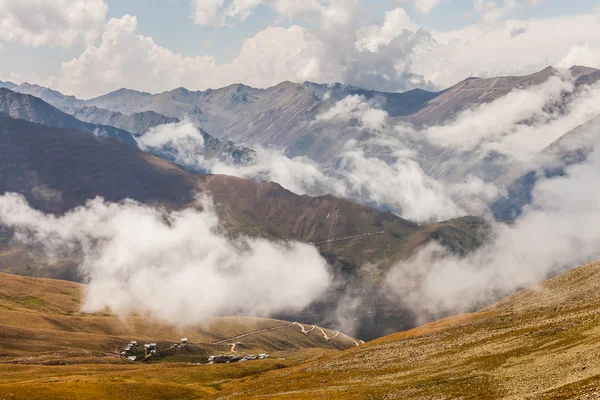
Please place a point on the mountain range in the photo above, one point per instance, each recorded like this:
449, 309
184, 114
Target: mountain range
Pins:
56, 168
284, 117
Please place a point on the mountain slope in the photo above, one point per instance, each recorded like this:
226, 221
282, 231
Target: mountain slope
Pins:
137, 123
50, 96
44, 316
58, 169
475, 91
33, 109
7, 85
279, 116
50, 350
541, 343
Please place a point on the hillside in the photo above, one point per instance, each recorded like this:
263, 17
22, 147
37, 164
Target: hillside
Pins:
48, 348
476, 91
41, 318
137, 123
58, 169
33, 109
8, 85
541, 343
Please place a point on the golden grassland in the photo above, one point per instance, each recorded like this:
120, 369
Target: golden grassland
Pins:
50, 350
541, 343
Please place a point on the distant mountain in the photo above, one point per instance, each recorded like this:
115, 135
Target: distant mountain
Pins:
33, 109
279, 116
111, 123
7, 85
476, 91
57, 169
283, 117
50, 96
175, 104
137, 123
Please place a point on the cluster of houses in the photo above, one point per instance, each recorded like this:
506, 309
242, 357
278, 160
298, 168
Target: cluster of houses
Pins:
227, 359
150, 349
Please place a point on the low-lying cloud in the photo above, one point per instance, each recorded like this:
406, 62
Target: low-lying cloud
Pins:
176, 266
560, 230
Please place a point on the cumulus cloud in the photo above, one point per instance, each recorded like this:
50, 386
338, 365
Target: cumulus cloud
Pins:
492, 11
176, 266
51, 22
334, 45
373, 37
487, 51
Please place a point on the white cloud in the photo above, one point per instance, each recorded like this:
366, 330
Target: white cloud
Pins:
215, 12
205, 12
176, 266
581, 54
493, 12
391, 56
424, 6
120, 57
558, 232
381, 170
51, 22
373, 37
184, 144
520, 108
355, 107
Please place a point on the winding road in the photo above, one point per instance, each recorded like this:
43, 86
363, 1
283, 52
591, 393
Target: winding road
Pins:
231, 341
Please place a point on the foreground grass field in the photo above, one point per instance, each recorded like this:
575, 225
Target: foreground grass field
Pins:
49, 350
542, 343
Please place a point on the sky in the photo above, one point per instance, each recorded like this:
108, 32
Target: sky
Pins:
90, 47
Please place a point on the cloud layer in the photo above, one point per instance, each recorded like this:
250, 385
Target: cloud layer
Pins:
60, 23
559, 231
177, 267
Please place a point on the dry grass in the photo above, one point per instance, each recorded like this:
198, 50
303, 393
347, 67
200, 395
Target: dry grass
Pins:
49, 350
540, 343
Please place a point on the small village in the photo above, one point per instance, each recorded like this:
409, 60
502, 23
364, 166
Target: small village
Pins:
134, 352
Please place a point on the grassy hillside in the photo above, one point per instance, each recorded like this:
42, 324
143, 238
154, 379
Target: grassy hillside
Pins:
48, 349
541, 343
40, 318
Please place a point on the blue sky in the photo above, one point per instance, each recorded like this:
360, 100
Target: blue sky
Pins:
169, 24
